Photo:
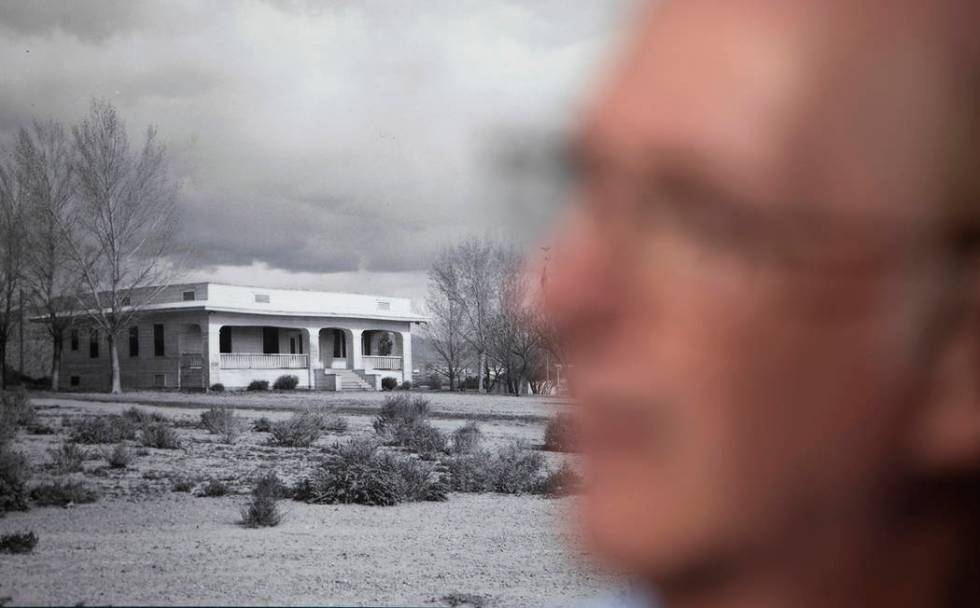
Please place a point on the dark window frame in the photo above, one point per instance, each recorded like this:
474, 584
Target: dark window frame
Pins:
270, 340
73, 340
191, 293
224, 340
159, 340
134, 342
93, 344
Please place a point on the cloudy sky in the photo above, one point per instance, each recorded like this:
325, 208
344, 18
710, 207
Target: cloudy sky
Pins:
333, 144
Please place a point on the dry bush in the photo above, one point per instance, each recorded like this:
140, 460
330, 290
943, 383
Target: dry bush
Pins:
258, 385
328, 418
118, 457
15, 472
404, 421
102, 429
182, 485
512, 469
61, 493
16, 407
358, 473
262, 509
466, 439
286, 382
401, 409
23, 542
68, 458
262, 425
214, 488
222, 421
560, 483
140, 417
558, 434
301, 430
159, 435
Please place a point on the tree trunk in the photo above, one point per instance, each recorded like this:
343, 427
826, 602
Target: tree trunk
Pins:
114, 357
479, 383
3, 363
56, 363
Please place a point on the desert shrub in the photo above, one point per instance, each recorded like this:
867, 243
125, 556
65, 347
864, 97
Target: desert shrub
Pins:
558, 434
182, 485
286, 382
68, 458
327, 418
400, 409
217, 387
262, 425
159, 435
419, 437
358, 473
61, 493
261, 509
388, 383
213, 489
222, 421
23, 542
405, 386
471, 383
118, 457
14, 475
16, 407
102, 429
39, 428
258, 385
562, 482
466, 439
300, 430
142, 451
434, 381
510, 470
269, 483
140, 417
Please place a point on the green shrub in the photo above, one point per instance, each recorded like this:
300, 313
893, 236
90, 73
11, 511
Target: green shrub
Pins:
102, 429
300, 430
217, 387
471, 383
159, 435
61, 493
262, 425
15, 472
23, 542
419, 437
222, 421
118, 457
434, 381
68, 458
182, 485
511, 469
405, 386
258, 385
286, 382
261, 509
558, 434
388, 383
213, 489
466, 439
358, 473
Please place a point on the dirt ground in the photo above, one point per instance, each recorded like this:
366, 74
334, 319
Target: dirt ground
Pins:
143, 543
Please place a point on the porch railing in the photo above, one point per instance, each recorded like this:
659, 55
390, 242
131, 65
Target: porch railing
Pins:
378, 362
263, 361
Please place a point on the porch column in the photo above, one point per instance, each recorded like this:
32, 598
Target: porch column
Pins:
357, 360
313, 353
211, 353
407, 355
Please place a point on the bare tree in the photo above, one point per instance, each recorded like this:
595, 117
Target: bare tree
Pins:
479, 296
11, 256
43, 166
127, 224
446, 330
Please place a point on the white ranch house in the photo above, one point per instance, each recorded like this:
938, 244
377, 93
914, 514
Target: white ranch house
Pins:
200, 334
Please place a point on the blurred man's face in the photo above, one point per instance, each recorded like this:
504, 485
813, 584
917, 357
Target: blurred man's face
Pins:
745, 287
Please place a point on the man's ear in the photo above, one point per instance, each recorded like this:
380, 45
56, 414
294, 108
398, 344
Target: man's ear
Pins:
945, 436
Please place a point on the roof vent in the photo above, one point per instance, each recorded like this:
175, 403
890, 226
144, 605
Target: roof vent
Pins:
262, 298
384, 305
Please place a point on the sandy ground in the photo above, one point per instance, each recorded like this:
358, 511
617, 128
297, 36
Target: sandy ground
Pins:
141, 543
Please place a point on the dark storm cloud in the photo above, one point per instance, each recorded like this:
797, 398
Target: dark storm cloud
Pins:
314, 137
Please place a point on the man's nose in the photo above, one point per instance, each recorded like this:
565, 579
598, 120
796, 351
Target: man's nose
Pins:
579, 294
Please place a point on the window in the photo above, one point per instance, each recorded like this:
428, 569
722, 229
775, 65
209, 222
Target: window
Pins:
292, 346
74, 339
224, 340
93, 344
339, 344
270, 340
134, 341
384, 305
74, 381
189, 296
262, 298
159, 346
